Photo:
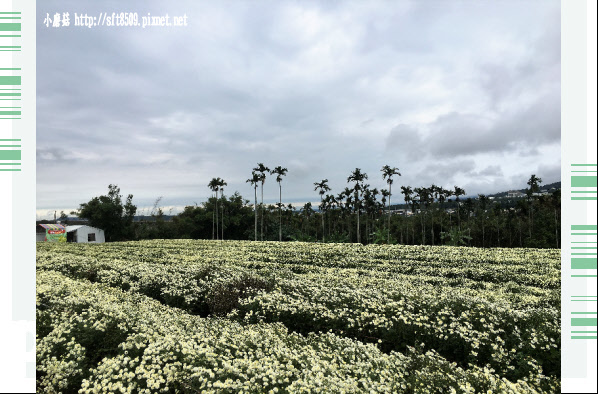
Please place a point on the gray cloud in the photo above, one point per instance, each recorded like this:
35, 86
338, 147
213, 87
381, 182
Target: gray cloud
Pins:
447, 92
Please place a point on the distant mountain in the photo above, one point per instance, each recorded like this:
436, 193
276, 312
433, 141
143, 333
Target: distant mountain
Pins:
548, 187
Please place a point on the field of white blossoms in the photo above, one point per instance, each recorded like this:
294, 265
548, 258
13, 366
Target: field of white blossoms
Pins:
188, 316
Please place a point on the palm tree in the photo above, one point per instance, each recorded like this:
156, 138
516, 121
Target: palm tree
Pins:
534, 183
387, 173
371, 206
458, 193
329, 202
424, 198
254, 181
214, 185
534, 187
306, 213
555, 203
421, 193
384, 194
221, 184
342, 196
434, 195
408, 192
357, 176
446, 194
483, 203
323, 188
280, 172
262, 169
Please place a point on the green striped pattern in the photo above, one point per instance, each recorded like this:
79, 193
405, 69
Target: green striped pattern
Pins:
10, 94
11, 80
584, 229
10, 155
9, 112
10, 91
587, 320
583, 263
10, 48
583, 182
10, 25
584, 250
582, 298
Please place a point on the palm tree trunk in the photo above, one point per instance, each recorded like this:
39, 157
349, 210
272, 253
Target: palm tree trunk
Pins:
216, 203
367, 227
322, 211
389, 197
556, 229
483, 235
529, 222
498, 237
358, 234
347, 223
222, 214
262, 214
255, 210
279, 212
531, 219
329, 222
213, 223
520, 236
421, 215
510, 237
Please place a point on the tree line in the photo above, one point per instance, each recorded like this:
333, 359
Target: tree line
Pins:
359, 213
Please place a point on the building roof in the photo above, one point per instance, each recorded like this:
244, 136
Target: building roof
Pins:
77, 227
53, 226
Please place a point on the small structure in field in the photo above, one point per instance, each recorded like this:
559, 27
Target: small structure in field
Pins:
51, 233
61, 233
84, 234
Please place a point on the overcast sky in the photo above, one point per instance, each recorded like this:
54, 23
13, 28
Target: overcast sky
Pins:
451, 92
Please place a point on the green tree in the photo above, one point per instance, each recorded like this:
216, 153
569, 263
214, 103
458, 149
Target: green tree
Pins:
388, 173
534, 187
407, 192
329, 203
423, 198
358, 177
322, 188
555, 204
262, 169
306, 212
214, 185
455, 237
110, 214
280, 172
221, 184
254, 181
458, 193
371, 206
483, 204
444, 195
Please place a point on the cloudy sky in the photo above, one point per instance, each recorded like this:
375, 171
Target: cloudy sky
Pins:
453, 93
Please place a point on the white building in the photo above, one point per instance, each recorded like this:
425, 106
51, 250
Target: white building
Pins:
515, 194
84, 234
